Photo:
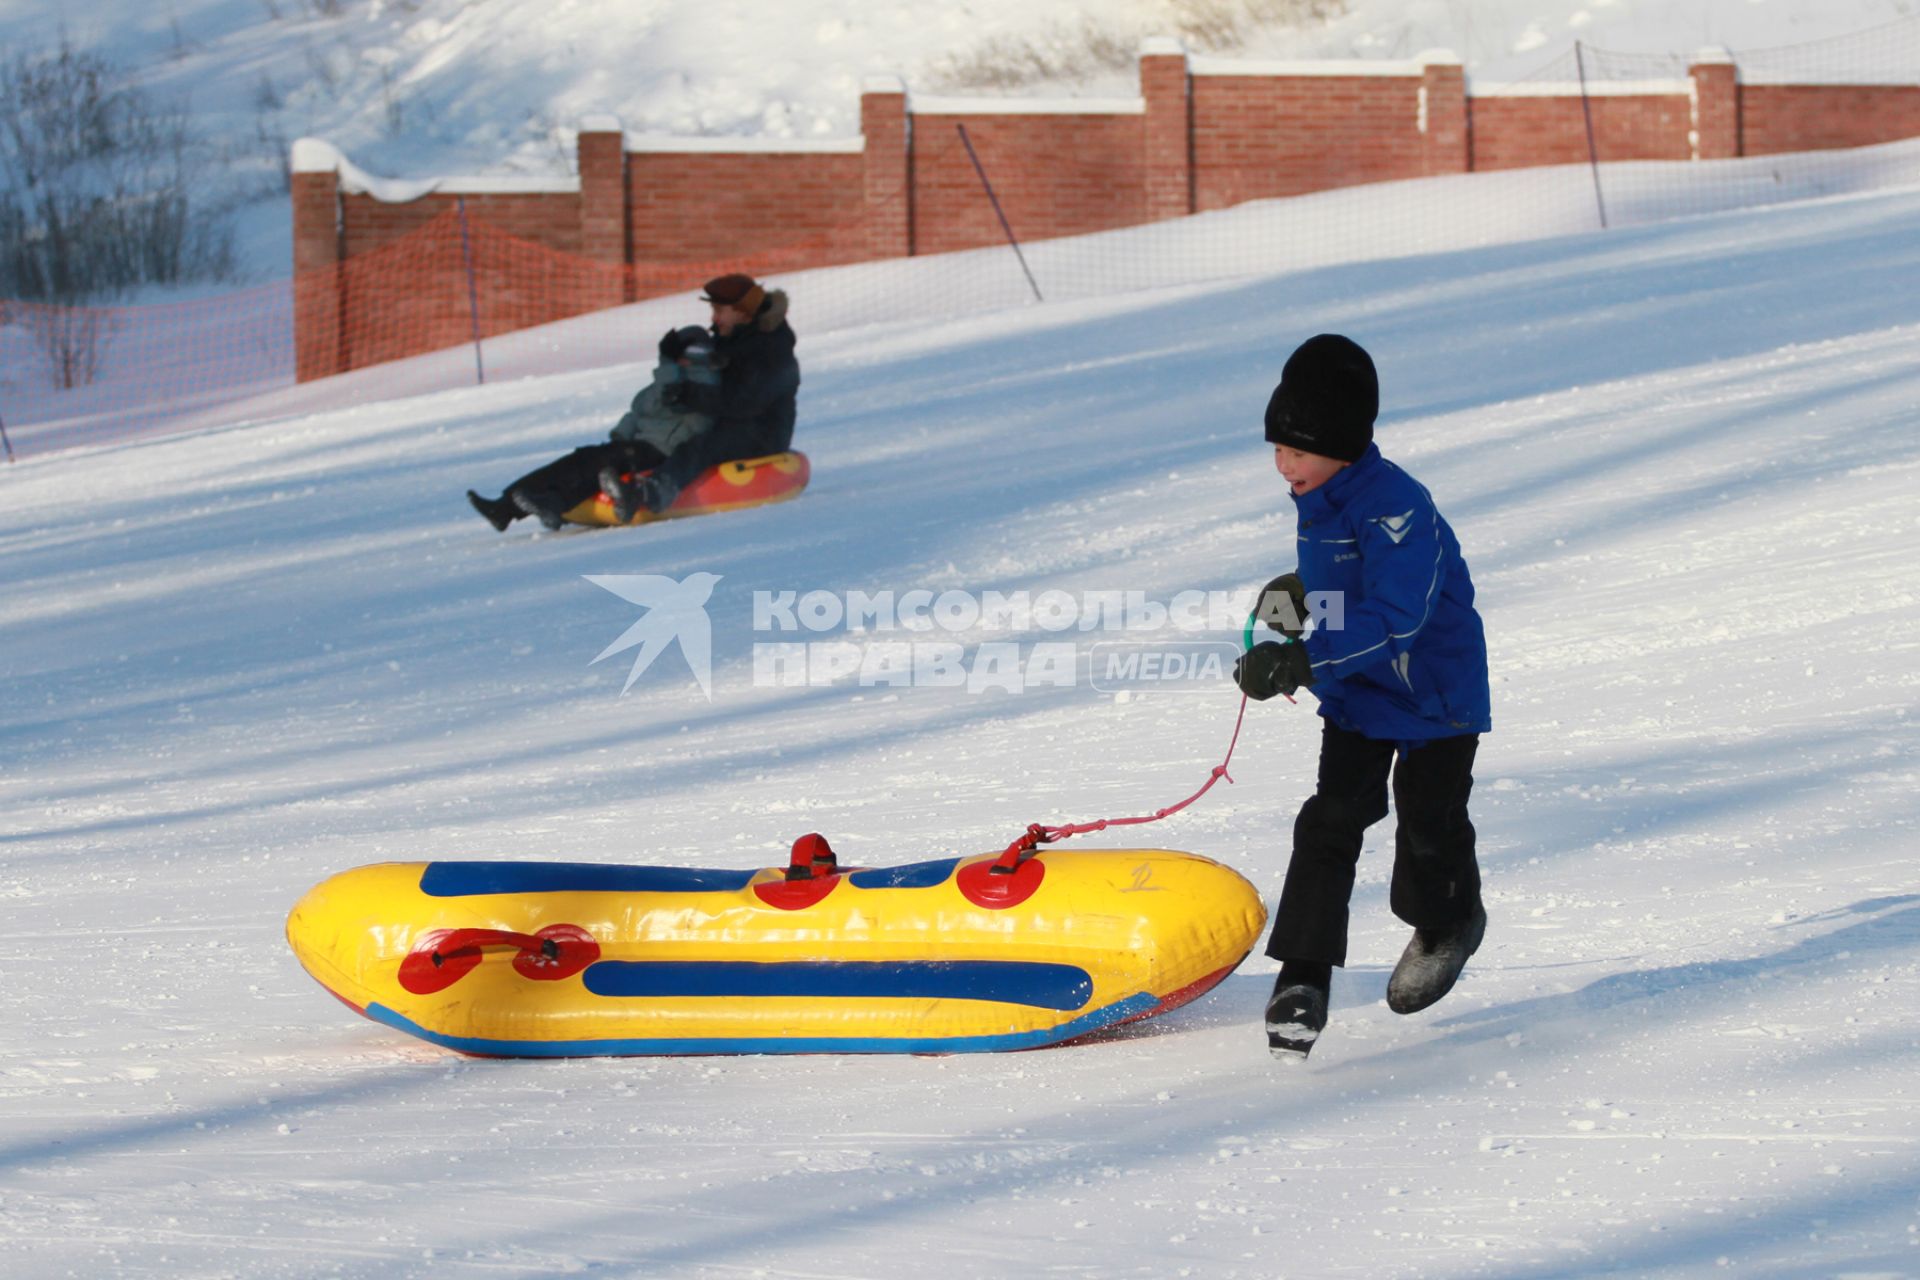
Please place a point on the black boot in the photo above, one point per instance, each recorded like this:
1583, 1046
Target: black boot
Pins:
657, 493
540, 506
1432, 962
1297, 1009
499, 512
625, 497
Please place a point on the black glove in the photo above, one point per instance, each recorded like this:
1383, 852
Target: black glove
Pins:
1282, 605
674, 394
1272, 667
672, 346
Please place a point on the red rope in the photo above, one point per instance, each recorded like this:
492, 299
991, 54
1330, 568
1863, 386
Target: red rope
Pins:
1038, 834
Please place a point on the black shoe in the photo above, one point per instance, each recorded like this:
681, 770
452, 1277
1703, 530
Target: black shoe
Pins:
1296, 1015
623, 496
540, 507
499, 512
1432, 962
657, 493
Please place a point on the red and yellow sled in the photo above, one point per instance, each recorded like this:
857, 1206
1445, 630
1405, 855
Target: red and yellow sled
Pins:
751, 482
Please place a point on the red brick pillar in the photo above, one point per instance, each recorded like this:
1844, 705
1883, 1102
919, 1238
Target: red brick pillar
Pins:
1443, 113
317, 321
602, 150
889, 167
1716, 105
1169, 129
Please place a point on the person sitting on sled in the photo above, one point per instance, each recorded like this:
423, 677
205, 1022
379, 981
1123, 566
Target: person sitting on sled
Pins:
646, 435
1397, 658
752, 407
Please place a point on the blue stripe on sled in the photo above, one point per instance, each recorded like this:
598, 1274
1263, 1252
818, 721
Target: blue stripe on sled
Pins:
1085, 1024
464, 879
1037, 985
915, 875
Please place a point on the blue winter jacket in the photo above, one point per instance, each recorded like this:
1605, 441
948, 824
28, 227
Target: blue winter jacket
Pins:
1408, 658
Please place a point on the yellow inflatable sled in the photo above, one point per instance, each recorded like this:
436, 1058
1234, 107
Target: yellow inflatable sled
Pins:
522, 959
731, 486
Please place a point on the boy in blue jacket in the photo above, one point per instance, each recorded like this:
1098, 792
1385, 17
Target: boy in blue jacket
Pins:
1379, 624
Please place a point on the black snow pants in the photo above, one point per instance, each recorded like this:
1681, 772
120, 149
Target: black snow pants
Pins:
568, 481
1436, 878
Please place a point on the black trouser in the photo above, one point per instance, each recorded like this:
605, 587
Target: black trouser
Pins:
567, 482
1436, 879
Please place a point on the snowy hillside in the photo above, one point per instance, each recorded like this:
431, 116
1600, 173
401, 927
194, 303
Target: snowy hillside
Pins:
415, 88
1681, 459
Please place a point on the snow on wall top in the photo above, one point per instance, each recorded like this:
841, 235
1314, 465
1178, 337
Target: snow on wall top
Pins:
733, 144
923, 105
313, 155
1210, 65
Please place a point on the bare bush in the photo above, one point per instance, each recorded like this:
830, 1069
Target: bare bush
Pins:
1060, 52
1210, 24
98, 194
1094, 46
1220, 26
73, 339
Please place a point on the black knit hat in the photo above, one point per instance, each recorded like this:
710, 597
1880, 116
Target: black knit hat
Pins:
691, 340
1327, 399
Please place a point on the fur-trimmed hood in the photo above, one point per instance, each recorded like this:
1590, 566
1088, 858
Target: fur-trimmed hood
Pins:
773, 312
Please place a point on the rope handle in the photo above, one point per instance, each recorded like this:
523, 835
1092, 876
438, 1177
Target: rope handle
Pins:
1038, 834
812, 857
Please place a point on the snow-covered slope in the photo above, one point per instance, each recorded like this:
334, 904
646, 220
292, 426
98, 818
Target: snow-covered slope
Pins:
1681, 459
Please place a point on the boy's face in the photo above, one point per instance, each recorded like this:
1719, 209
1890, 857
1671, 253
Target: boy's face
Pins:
726, 319
1304, 472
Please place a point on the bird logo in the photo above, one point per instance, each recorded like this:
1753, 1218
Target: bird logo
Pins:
674, 611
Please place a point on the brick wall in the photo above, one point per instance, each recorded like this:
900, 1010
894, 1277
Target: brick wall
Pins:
1777, 118
1256, 137
1528, 131
317, 315
548, 218
1056, 174
692, 207
377, 278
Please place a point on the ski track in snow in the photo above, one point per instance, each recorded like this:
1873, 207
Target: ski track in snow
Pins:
1681, 461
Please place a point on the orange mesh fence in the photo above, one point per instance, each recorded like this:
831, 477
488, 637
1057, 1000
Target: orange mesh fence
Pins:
81, 375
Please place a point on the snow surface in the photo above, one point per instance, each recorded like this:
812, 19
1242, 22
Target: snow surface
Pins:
1681, 459
419, 90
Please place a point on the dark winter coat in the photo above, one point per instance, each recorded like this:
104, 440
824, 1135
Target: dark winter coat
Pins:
651, 420
1408, 661
753, 407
